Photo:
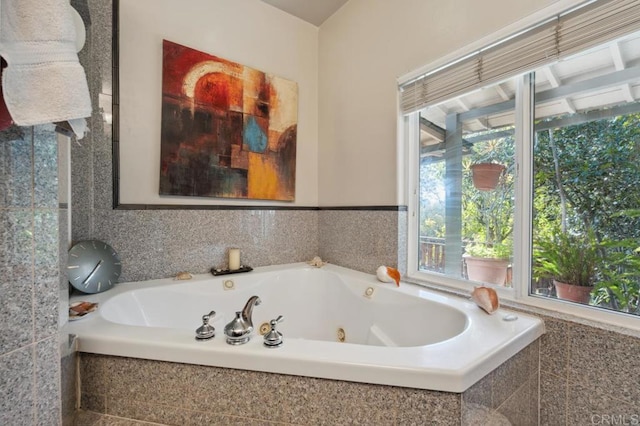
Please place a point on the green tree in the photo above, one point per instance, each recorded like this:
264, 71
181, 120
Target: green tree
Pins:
432, 202
487, 216
598, 170
587, 179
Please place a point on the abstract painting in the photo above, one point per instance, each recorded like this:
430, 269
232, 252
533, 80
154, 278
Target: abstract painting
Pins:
228, 130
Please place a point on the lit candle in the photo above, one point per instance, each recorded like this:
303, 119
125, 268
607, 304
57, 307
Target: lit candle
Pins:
234, 259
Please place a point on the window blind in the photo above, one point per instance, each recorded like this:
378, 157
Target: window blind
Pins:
559, 37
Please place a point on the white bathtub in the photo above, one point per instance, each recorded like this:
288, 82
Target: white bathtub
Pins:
407, 336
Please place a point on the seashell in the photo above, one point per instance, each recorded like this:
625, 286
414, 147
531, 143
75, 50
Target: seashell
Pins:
78, 310
486, 298
387, 274
183, 276
317, 262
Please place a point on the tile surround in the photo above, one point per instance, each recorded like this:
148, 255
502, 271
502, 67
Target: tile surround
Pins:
17, 162
507, 394
587, 372
29, 354
47, 392
554, 350
617, 361
362, 240
45, 156
161, 243
586, 404
47, 273
16, 266
521, 408
69, 379
136, 389
81, 195
553, 399
17, 387
515, 372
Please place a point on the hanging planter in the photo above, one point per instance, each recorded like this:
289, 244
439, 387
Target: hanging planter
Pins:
486, 176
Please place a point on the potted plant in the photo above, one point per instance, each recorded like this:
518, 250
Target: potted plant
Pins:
488, 226
571, 261
618, 287
488, 263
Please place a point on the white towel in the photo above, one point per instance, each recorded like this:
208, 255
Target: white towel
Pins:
44, 81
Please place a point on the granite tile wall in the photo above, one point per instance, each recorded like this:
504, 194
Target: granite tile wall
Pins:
127, 389
161, 243
30, 283
588, 375
363, 239
82, 155
69, 379
507, 395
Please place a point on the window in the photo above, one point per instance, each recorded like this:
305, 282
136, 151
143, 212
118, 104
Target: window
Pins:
586, 178
467, 176
562, 139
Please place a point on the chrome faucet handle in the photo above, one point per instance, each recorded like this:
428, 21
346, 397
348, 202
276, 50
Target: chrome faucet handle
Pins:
273, 339
206, 331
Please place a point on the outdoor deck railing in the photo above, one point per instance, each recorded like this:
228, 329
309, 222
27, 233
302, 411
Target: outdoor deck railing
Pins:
432, 254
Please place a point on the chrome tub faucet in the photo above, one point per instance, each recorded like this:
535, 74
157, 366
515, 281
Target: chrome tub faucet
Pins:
238, 331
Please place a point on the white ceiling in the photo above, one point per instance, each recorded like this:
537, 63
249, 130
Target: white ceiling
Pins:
313, 11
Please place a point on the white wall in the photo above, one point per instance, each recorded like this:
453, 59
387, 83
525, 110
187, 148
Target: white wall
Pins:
346, 71
363, 49
249, 32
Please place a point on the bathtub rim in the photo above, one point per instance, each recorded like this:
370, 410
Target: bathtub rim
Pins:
413, 367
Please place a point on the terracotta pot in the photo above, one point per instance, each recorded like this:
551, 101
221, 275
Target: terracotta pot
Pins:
574, 293
487, 270
486, 176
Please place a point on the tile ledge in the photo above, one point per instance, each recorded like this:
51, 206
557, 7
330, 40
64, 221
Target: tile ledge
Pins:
570, 318
529, 309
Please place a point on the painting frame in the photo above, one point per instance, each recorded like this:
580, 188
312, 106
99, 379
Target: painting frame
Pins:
227, 130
